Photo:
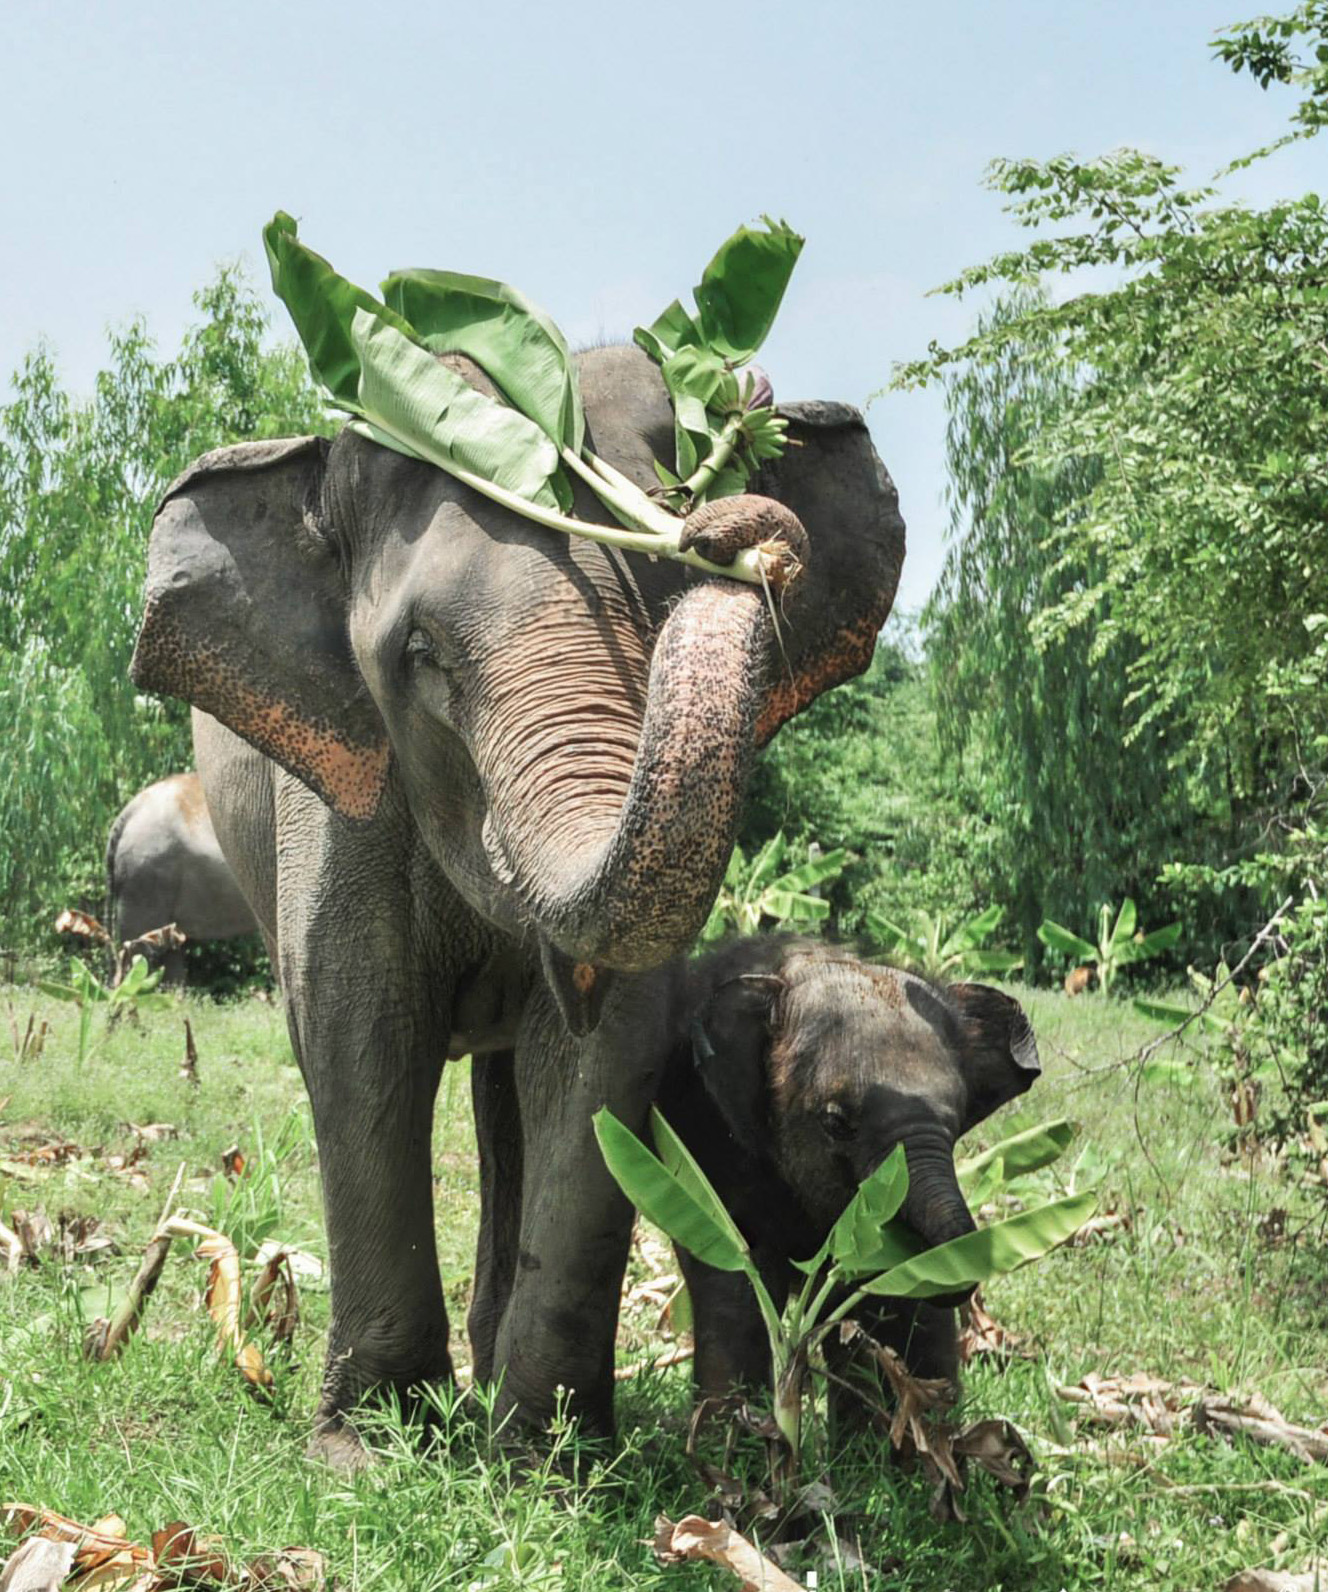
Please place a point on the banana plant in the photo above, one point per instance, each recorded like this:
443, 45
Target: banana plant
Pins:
376, 360
136, 992
755, 891
1120, 943
867, 1253
929, 946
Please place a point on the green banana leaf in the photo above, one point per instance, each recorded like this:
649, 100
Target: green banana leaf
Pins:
1061, 939
676, 1201
323, 305
741, 289
1028, 1151
886, 934
512, 340
1126, 919
682, 1164
417, 401
858, 1230
973, 1259
815, 871
792, 906
1153, 943
990, 961
972, 933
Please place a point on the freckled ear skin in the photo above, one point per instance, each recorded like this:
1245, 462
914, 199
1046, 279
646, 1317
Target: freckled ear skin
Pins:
730, 1036
999, 1052
245, 618
833, 480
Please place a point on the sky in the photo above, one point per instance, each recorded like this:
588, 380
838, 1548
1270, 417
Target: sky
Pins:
594, 154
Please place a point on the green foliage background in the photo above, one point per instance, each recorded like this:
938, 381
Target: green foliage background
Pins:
79, 481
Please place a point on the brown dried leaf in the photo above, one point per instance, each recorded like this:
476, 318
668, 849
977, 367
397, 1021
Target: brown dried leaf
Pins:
915, 1397
222, 1295
189, 1066
1104, 1226
289, 1570
980, 1334
1278, 1580
72, 921
35, 1232
185, 1559
695, 1538
12, 1247
232, 1162
273, 1300
153, 1132
37, 1565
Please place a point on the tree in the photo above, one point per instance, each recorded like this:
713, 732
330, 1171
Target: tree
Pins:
79, 482
1192, 564
1082, 810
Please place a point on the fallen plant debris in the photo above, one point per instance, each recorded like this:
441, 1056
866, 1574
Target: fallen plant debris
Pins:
273, 1299
695, 1538
232, 1162
917, 1427
30, 1045
662, 1362
189, 1066
1162, 1409
981, 1336
180, 1556
1107, 1225
1278, 1580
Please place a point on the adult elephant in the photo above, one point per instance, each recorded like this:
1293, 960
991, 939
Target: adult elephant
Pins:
472, 777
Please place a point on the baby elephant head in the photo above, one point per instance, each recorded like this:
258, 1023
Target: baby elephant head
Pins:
821, 1064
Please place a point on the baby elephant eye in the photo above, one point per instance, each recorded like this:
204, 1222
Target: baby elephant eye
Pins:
835, 1123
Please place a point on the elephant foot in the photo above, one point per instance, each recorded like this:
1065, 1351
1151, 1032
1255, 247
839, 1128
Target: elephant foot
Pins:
340, 1447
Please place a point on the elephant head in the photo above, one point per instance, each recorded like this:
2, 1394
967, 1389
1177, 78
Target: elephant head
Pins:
569, 729
821, 1064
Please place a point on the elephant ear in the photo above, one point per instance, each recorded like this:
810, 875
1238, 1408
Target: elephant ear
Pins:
834, 481
730, 1037
245, 618
999, 1051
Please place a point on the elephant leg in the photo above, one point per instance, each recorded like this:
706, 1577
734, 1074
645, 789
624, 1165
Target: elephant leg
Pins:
558, 1328
732, 1349
373, 1109
368, 1006
498, 1131
174, 968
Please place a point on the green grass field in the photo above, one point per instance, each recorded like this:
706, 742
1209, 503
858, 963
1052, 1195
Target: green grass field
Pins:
1216, 1274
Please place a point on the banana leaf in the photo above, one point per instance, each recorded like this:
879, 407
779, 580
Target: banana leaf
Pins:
669, 1199
1061, 939
323, 305
816, 870
991, 961
793, 906
1126, 919
858, 1230
737, 298
976, 1257
512, 340
1028, 1151
419, 402
679, 1160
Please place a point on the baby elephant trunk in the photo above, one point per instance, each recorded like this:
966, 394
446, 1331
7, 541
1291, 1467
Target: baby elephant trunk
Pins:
935, 1208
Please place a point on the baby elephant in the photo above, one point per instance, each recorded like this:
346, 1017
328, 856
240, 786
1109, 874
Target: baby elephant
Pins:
794, 1070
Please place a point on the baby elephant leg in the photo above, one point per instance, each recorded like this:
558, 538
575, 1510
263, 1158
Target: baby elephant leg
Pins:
732, 1350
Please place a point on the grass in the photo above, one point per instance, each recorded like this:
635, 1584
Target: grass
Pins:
1207, 1282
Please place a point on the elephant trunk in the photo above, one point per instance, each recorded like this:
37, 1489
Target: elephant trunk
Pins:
614, 832
935, 1207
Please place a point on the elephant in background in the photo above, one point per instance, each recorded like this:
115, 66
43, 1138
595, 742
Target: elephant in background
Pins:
793, 1069
163, 865
474, 780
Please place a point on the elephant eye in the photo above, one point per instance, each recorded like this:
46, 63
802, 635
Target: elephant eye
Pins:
836, 1124
420, 648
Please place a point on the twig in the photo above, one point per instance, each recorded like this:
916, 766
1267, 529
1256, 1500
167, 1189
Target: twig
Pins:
678, 1356
107, 1338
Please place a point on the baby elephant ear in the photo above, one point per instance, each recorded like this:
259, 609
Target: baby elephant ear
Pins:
1000, 1055
730, 1036
245, 618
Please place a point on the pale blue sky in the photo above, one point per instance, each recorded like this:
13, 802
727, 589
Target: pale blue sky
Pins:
594, 154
